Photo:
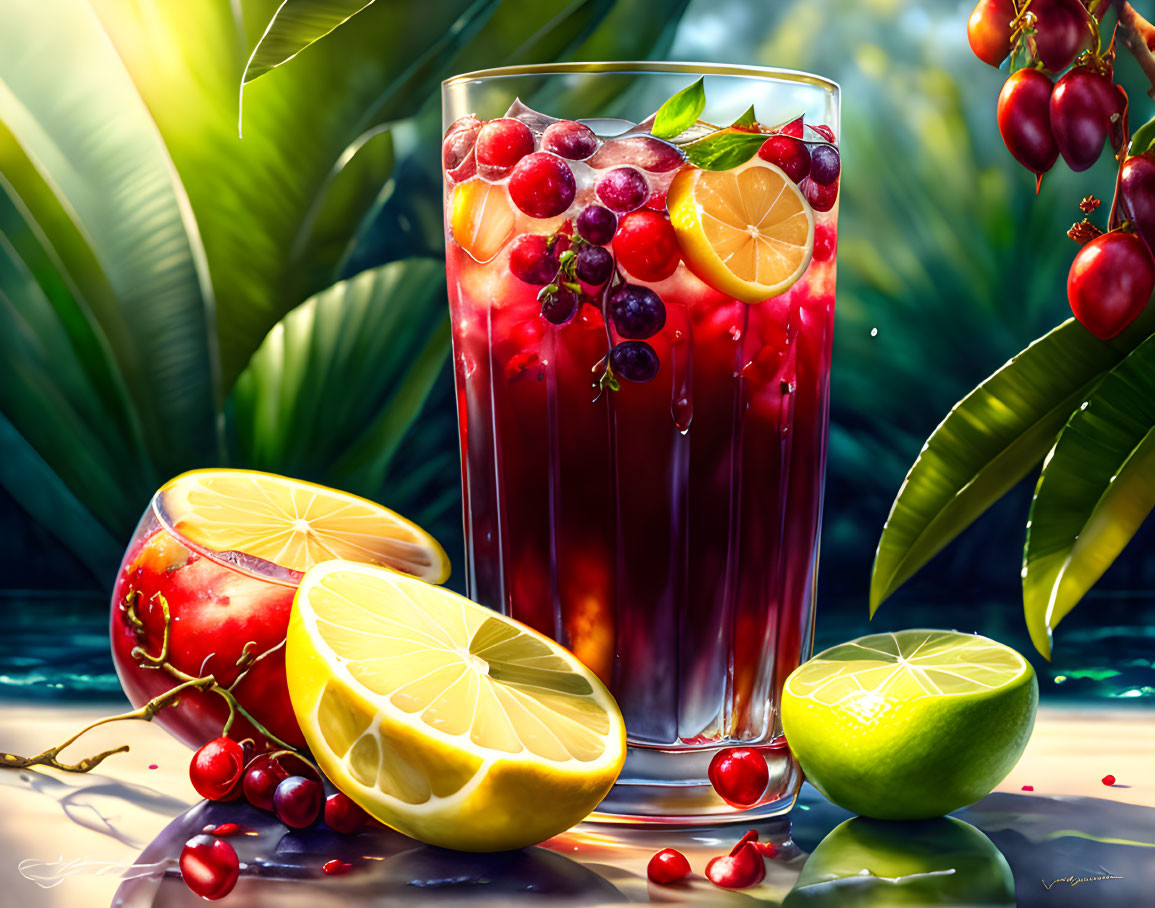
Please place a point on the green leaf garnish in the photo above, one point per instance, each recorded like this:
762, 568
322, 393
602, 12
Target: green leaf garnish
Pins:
724, 149
1144, 138
747, 119
680, 112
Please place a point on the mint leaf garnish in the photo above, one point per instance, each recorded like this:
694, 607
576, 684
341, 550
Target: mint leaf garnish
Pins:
747, 119
681, 111
724, 149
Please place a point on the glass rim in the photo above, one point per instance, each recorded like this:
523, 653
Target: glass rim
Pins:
648, 66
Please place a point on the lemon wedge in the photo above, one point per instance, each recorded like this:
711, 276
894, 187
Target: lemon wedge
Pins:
747, 232
443, 719
481, 218
295, 524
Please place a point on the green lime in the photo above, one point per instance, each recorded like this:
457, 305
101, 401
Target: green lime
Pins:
865, 863
910, 725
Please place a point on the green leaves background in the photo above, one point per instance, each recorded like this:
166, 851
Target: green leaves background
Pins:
173, 295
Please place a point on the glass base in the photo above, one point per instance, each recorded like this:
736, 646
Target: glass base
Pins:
673, 787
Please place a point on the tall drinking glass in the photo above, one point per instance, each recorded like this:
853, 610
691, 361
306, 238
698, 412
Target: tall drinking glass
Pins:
641, 343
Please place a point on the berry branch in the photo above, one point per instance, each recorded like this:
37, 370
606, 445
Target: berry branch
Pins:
145, 713
1139, 38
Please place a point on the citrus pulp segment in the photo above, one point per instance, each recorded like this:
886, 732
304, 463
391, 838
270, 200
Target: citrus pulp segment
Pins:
910, 725
447, 721
748, 232
295, 524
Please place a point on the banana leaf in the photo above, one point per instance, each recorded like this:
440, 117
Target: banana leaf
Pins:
988, 442
333, 389
295, 25
1096, 488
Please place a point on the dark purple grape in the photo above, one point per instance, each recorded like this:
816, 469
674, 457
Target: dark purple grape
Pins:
623, 189
594, 265
824, 164
558, 308
531, 259
597, 225
297, 802
637, 311
568, 139
634, 360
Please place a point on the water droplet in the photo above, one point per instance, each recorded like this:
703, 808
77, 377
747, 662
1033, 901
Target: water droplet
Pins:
874, 332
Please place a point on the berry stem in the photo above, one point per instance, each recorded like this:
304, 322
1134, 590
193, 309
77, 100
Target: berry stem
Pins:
1139, 38
146, 712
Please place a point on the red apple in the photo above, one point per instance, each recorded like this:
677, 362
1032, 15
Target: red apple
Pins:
215, 611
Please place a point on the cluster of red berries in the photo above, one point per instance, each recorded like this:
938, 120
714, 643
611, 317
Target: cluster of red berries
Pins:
812, 161
744, 866
278, 782
1113, 275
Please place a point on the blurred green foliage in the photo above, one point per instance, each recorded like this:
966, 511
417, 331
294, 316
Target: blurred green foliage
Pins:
174, 296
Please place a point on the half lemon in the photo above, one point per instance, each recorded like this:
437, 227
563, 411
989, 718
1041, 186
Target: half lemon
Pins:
295, 524
443, 719
747, 232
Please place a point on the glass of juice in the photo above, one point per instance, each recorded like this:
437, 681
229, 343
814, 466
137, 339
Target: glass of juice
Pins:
642, 309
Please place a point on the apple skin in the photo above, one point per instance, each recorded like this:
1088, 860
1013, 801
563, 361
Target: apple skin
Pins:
214, 612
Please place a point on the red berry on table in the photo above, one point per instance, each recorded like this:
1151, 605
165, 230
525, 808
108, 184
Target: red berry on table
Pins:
336, 867
739, 870
1024, 118
1082, 105
209, 866
989, 30
1108, 779
1110, 282
570, 140
821, 198
596, 225
216, 769
637, 312
594, 265
344, 815
1062, 32
501, 144
532, 260
1137, 191
646, 246
297, 802
739, 776
622, 189
634, 361
542, 185
261, 779
825, 165
788, 153
667, 866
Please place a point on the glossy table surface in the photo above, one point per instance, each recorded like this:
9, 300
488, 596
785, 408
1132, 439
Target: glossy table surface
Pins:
112, 837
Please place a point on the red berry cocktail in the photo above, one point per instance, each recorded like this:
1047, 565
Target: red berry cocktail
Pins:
642, 314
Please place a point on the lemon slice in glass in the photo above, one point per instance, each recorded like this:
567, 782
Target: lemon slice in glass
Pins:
294, 524
747, 232
443, 719
910, 725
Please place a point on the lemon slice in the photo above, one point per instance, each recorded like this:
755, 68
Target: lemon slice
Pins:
481, 218
447, 721
910, 725
747, 232
295, 524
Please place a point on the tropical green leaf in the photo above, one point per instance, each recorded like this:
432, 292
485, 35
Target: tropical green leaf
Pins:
724, 149
253, 198
336, 384
1096, 488
749, 118
988, 442
36, 487
1143, 139
115, 215
295, 25
681, 111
